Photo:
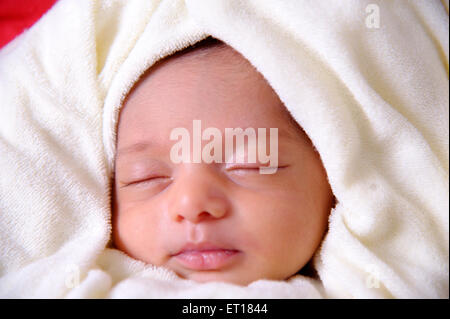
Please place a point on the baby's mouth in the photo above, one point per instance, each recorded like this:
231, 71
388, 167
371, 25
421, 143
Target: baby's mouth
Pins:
205, 256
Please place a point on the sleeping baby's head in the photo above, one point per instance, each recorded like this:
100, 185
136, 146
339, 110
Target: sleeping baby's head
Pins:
186, 198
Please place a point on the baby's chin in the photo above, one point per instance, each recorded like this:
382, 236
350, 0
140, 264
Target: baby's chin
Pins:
218, 276
232, 276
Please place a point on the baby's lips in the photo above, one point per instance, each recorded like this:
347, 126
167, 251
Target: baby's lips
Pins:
206, 256
207, 259
204, 247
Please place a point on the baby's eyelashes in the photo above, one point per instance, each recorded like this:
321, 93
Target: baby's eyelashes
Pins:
250, 167
233, 167
148, 181
252, 170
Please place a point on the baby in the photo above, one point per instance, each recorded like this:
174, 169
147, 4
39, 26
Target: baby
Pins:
222, 220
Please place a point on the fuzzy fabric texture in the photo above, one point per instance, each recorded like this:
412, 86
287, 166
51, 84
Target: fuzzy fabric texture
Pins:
367, 81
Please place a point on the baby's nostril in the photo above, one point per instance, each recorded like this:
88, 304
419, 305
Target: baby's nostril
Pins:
203, 215
195, 218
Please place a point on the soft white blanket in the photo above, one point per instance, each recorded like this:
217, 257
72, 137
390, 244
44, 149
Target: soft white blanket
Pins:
367, 80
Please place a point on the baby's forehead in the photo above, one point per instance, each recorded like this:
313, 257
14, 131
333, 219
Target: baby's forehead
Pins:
221, 60
217, 70
216, 85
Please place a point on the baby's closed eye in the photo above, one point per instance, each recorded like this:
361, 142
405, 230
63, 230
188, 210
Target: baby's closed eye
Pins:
150, 180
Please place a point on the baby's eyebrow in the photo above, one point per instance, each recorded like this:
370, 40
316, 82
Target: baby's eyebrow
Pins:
134, 148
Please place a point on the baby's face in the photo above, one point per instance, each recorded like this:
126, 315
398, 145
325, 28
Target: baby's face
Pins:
217, 221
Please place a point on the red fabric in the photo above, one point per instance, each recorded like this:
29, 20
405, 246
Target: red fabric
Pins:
18, 15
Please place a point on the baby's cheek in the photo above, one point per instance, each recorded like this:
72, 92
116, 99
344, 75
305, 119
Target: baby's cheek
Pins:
136, 233
292, 218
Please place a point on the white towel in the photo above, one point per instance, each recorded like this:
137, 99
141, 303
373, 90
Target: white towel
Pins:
367, 80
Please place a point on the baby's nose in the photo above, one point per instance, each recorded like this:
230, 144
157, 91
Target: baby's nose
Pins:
196, 196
